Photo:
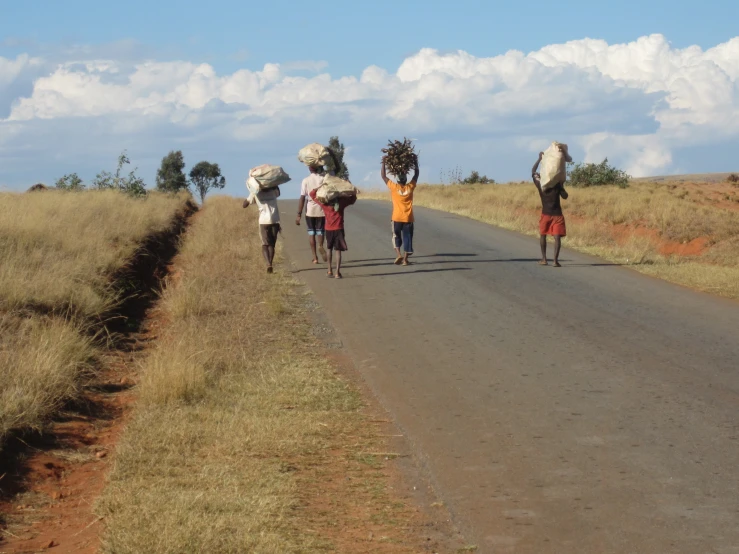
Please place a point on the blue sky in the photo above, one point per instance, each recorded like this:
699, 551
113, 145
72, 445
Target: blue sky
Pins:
613, 107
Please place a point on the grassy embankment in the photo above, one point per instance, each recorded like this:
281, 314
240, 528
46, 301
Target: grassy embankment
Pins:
244, 439
668, 230
58, 252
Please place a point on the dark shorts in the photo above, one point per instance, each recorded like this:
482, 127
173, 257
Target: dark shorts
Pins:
403, 236
336, 240
552, 225
315, 225
269, 234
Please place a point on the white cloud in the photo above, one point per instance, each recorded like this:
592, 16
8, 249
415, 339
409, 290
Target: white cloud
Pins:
636, 103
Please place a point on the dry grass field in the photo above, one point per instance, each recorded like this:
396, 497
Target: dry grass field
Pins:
244, 438
684, 232
58, 253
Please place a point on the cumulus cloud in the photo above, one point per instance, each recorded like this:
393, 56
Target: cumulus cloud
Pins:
636, 103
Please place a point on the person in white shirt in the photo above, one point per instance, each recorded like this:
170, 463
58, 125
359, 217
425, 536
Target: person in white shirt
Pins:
315, 219
269, 220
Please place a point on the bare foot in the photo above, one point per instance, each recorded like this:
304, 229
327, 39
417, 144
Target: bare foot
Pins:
329, 274
406, 262
398, 260
339, 276
543, 262
270, 270
315, 261
556, 264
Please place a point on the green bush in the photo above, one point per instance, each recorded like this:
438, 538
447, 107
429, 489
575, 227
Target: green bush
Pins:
594, 175
475, 178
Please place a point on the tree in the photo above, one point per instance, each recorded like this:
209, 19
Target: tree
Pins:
338, 148
475, 178
71, 182
594, 175
132, 184
170, 175
205, 176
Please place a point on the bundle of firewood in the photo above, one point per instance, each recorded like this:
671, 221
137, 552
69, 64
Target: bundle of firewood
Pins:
400, 157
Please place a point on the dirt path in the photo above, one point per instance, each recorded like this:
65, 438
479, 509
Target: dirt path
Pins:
50, 482
586, 409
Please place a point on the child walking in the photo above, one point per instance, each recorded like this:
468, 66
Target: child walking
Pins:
335, 235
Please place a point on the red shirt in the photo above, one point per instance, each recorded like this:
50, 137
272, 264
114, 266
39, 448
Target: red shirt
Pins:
334, 218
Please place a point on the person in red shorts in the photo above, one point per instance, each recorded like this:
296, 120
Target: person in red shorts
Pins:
552, 221
335, 236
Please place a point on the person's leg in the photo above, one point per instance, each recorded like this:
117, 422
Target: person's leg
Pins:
543, 244
397, 241
321, 249
312, 242
265, 253
407, 242
557, 246
338, 264
330, 262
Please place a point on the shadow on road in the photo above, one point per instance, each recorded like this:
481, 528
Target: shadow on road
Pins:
409, 272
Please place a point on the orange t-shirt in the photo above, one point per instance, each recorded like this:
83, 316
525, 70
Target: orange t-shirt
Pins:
402, 201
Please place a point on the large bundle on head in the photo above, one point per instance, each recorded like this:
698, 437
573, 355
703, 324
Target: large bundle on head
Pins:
269, 176
314, 155
333, 188
400, 157
553, 165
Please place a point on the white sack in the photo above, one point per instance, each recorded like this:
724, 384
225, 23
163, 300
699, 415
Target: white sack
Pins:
314, 155
553, 165
333, 188
269, 176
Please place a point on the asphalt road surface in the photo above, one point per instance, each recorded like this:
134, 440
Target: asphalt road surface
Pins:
583, 409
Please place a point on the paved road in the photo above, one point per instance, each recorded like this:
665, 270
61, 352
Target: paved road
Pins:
584, 409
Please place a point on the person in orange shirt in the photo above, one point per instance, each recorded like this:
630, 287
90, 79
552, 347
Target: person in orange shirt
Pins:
402, 196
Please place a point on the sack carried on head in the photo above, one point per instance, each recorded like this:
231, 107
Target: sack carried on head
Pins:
314, 155
269, 176
553, 165
334, 188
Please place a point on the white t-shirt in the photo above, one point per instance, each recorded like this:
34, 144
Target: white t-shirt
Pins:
312, 182
266, 201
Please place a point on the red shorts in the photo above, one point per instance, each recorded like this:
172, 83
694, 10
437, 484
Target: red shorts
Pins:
552, 225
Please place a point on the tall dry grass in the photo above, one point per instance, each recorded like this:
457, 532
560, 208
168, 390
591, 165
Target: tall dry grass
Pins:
237, 407
625, 226
58, 252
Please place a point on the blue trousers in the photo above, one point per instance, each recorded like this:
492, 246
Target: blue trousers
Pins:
403, 236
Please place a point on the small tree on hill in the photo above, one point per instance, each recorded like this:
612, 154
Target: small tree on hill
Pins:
337, 148
170, 175
206, 176
733, 179
130, 184
475, 178
71, 182
593, 175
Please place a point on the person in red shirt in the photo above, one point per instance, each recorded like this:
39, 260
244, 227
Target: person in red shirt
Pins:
335, 235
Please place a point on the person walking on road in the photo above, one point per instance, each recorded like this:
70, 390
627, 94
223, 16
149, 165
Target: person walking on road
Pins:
552, 220
402, 218
269, 219
335, 235
315, 219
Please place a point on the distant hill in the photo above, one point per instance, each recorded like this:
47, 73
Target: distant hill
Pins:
694, 178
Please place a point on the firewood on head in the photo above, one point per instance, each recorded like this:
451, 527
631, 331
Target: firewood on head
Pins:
400, 157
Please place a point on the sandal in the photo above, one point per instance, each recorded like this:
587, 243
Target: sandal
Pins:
398, 260
339, 276
329, 274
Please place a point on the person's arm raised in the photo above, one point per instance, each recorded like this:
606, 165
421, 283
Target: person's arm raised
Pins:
534, 175
416, 171
383, 174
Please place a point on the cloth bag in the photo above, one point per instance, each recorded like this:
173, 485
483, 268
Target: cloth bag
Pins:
314, 155
553, 165
269, 176
333, 188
